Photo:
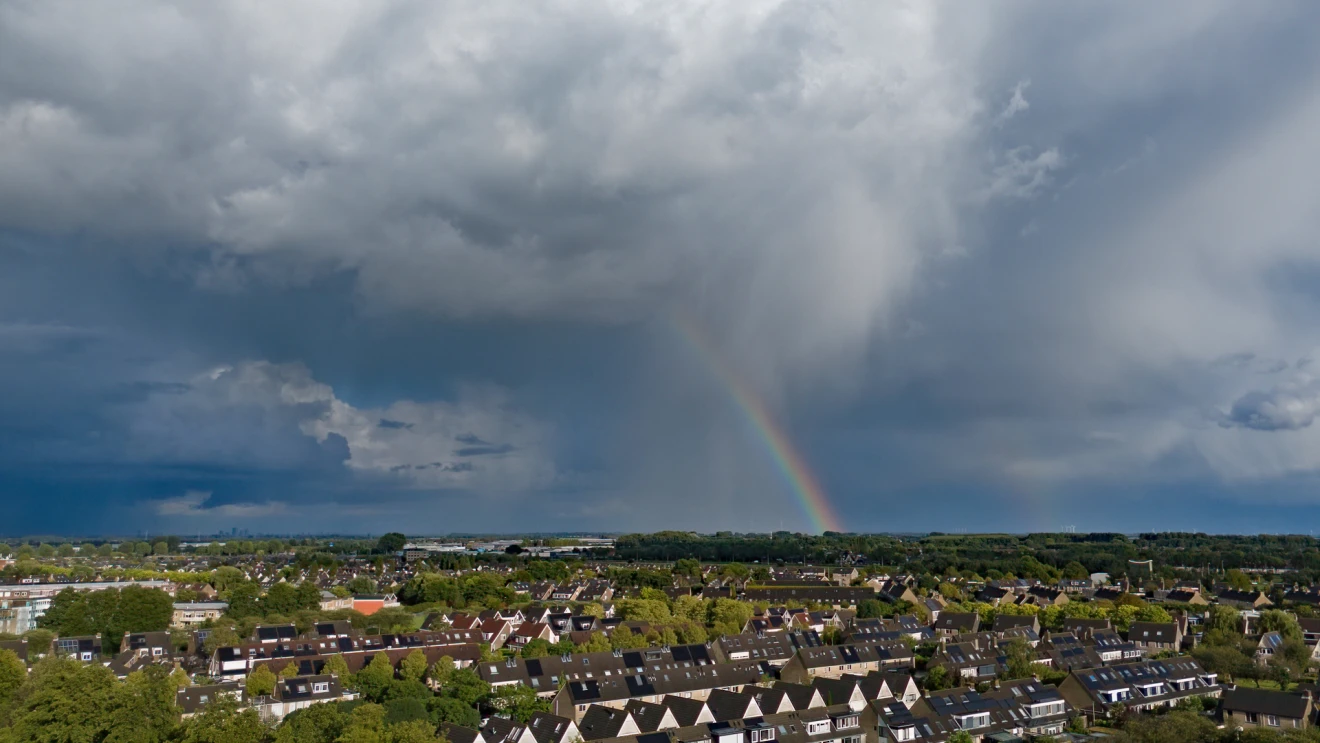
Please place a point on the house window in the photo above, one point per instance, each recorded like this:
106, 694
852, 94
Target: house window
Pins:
818, 727
320, 687
1272, 721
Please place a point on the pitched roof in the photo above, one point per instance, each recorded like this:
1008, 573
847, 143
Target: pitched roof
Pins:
1265, 702
603, 722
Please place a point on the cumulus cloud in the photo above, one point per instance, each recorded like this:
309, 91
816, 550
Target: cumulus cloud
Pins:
258, 411
1287, 407
1017, 103
194, 503
774, 161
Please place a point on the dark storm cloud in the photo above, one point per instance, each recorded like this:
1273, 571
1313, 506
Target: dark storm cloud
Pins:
478, 451
1019, 248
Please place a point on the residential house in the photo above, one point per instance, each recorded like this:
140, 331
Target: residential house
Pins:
188, 614
992, 595
830, 595
544, 675
696, 682
1112, 648
1066, 652
529, 631
1242, 599
1269, 644
1045, 596
191, 699
651, 716
775, 648
1005, 622
833, 661
1141, 686
331, 602
84, 648
954, 623
371, 603
1084, 627
1018, 708
1156, 637
566, 592
1110, 593
732, 705
1189, 596
300, 692
18, 647
966, 662
1243, 708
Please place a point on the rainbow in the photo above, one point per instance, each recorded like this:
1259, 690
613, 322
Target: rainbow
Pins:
791, 463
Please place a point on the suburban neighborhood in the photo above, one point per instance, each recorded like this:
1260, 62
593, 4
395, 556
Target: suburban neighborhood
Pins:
570, 639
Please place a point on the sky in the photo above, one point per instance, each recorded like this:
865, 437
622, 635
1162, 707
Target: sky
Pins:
435, 266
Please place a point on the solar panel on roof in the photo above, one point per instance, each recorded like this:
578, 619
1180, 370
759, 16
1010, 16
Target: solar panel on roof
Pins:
534, 667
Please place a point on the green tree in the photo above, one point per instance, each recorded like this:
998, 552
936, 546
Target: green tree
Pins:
624, 638
366, 724
362, 584
226, 577
447, 709
937, 679
391, 542
412, 731
65, 700
160, 548
319, 723
180, 678
651, 611
1018, 659
1277, 620
308, 596
520, 702
244, 600
12, 675
221, 636
537, 648
289, 670
689, 609
281, 598
221, 721
598, 643
261, 682
872, 609
1237, 580
1224, 619
1075, 571
441, 671
336, 665
688, 568
728, 617
961, 736
375, 678
413, 666
466, 686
